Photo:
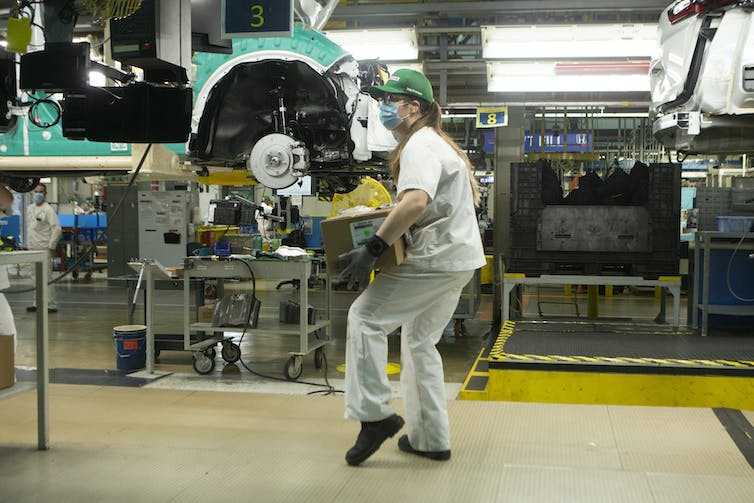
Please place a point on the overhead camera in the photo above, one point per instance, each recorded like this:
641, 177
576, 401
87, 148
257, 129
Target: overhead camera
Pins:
155, 110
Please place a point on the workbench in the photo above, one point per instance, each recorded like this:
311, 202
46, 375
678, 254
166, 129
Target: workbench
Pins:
39, 258
311, 337
704, 243
511, 280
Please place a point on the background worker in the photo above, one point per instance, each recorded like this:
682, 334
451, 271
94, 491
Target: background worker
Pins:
437, 194
43, 232
7, 327
263, 223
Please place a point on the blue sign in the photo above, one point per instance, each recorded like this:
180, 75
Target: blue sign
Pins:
256, 18
491, 117
557, 142
489, 141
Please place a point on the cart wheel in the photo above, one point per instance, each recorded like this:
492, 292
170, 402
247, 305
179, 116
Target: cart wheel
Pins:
203, 364
156, 352
75, 274
231, 352
88, 276
210, 352
293, 368
319, 358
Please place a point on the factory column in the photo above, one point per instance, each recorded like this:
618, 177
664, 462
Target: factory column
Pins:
509, 148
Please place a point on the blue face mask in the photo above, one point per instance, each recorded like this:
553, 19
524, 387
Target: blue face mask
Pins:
389, 115
38, 197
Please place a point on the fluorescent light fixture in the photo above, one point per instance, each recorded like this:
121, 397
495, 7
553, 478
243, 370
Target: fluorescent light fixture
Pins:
389, 45
392, 66
597, 113
451, 115
539, 77
569, 41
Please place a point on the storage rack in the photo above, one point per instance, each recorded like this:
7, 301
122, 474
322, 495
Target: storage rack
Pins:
312, 337
39, 259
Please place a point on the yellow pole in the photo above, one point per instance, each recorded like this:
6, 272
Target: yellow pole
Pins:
592, 310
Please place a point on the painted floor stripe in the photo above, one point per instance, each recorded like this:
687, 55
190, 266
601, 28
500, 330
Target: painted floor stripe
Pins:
740, 430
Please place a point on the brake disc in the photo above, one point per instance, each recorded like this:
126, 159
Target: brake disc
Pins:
278, 161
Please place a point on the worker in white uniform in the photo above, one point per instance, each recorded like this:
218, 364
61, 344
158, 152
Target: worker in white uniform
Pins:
437, 194
43, 232
7, 327
263, 210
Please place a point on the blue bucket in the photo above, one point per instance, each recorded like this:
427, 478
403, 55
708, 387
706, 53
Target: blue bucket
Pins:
130, 346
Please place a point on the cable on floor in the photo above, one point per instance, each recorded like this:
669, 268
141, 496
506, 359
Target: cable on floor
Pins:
329, 389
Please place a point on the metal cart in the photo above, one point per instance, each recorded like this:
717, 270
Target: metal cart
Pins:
468, 304
312, 337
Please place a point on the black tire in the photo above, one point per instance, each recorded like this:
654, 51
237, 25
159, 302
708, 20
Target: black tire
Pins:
293, 368
203, 364
231, 352
319, 358
21, 185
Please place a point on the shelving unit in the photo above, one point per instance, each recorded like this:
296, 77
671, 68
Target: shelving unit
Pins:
311, 337
39, 259
704, 243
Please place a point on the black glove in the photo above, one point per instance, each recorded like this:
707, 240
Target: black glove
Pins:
359, 263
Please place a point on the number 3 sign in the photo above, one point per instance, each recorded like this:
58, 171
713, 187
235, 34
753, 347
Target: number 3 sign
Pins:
256, 18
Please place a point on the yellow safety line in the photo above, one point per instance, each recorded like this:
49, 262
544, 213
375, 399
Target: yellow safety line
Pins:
618, 359
472, 374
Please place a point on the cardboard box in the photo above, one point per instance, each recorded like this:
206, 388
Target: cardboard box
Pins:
345, 232
175, 272
7, 362
205, 313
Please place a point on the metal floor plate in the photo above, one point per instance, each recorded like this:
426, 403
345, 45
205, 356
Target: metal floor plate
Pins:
623, 344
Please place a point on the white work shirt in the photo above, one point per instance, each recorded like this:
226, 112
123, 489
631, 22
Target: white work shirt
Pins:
43, 227
446, 236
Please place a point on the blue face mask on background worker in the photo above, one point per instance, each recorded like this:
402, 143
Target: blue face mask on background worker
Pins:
38, 197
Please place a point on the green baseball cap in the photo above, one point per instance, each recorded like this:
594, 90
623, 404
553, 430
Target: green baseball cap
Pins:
405, 81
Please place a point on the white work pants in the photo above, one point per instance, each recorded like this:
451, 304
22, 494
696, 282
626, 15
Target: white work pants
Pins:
422, 304
51, 293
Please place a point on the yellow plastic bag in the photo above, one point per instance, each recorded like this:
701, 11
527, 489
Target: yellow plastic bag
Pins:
370, 193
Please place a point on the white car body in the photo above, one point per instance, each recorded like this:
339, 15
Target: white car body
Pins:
702, 77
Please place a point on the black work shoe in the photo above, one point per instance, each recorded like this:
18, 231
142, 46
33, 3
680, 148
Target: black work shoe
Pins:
371, 436
31, 309
405, 446
52, 309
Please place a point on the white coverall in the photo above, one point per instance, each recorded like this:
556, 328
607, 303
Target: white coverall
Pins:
419, 296
263, 224
43, 233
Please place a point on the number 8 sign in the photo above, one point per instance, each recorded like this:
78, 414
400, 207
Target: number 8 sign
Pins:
491, 117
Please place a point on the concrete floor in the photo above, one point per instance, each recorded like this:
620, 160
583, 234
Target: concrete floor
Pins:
233, 436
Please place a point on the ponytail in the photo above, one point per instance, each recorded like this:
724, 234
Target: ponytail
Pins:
432, 118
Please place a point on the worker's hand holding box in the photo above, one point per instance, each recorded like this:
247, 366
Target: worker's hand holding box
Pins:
345, 232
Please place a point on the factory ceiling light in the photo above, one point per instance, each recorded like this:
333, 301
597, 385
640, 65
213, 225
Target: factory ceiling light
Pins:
569, 41
560, 77
388, 45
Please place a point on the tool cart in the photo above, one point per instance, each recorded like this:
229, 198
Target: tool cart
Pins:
311, 336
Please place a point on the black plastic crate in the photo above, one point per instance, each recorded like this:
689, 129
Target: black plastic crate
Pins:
662, 202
